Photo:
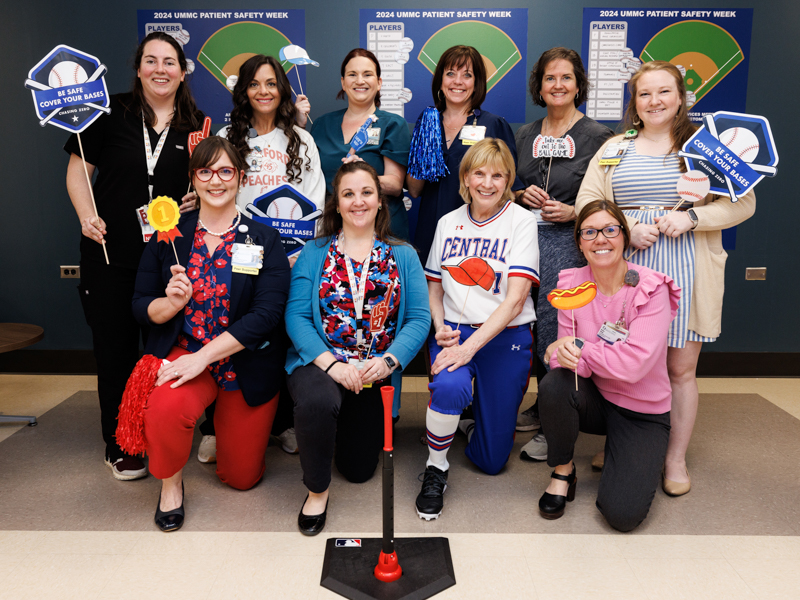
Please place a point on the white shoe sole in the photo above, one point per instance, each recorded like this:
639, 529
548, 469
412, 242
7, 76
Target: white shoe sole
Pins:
206, 459
428, 517
121, 477
536, 427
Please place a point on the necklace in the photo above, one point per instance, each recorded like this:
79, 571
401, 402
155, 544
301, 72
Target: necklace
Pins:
568, 124
253, 133
223, 233
611, 297
655, 141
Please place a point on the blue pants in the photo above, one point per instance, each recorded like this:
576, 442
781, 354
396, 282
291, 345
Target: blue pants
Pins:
501, 371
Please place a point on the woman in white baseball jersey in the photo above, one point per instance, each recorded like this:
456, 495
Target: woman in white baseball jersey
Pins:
483, 260
684, 244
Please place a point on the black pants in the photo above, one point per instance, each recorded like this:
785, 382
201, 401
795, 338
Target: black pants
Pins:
326, 417
636, 444
106, 293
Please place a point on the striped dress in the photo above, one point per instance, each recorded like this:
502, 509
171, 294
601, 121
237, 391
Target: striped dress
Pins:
651, 181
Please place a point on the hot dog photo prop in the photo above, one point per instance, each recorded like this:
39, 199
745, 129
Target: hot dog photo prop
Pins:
69, 91
571, 299
471, 272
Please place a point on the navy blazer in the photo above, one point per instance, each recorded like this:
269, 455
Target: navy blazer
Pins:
256, 311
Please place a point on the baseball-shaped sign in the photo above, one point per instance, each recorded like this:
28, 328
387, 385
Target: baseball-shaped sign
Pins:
573, 298
742, 142
163, 213
66, 72
693, 186
284, 208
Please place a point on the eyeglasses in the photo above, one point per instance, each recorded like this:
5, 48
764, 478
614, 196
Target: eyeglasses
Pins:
611, 231
225, 173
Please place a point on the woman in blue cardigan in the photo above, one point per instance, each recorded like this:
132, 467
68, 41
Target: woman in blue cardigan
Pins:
357, 311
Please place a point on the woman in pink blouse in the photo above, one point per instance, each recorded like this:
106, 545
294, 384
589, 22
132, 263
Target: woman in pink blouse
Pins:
620, 354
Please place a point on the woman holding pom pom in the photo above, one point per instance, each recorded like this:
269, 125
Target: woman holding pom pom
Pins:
458, 88
219, 329
386, 149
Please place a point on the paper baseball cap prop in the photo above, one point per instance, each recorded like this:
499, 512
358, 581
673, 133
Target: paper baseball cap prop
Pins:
472, 271
68, 89
735, 150
296, 55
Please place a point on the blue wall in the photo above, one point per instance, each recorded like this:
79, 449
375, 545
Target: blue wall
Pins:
41, 230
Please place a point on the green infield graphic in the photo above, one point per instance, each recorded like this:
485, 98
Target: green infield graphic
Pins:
706, 51
499, 52
227, 48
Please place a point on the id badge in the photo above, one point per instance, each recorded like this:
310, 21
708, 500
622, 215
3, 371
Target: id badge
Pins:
359, 364
373, 136
254, 160
247, 258
471, 134
147, 229
611, 333
613, 153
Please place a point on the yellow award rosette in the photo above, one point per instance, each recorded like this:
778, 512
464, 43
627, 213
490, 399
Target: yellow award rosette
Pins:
163, 215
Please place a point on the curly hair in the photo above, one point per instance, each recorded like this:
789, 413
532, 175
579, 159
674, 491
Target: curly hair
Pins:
548, 56
187, 116
284, 116
331, 221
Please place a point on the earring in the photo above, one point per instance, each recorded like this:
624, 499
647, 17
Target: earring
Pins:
379, 207
337, 210
441, 96
637, 121
541, 100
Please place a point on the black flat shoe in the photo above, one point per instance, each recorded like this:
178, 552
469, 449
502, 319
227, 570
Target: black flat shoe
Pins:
172, 520
552, 506
312, 524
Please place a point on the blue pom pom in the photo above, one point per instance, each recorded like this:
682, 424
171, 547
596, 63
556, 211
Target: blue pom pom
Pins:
425, 158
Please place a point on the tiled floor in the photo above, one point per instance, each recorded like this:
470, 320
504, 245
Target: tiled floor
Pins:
248, 564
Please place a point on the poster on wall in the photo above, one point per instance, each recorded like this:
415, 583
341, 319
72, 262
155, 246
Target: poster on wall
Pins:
216, 43
711, 47
408, 44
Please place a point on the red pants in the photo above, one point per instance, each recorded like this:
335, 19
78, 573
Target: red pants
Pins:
242, 431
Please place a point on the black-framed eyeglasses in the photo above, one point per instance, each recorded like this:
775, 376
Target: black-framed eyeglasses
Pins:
611, 231
225, 173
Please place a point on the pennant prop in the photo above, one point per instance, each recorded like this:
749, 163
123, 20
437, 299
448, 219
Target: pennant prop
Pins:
735, 151
361, 137
425, 158
163, 215
571, 299
377, 317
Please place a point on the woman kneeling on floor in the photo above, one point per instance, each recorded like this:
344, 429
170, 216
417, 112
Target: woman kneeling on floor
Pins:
484, 258
220, 331
623, 389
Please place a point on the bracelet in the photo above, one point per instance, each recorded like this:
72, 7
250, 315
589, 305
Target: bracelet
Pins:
331, 365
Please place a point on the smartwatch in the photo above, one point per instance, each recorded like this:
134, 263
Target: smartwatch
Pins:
390, 362
693, 217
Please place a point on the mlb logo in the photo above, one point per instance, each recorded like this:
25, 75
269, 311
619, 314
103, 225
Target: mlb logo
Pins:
348, 543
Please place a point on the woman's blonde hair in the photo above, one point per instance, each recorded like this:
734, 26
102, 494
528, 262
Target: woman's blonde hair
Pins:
492, 152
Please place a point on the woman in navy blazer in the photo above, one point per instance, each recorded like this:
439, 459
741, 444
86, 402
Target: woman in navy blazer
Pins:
220, 332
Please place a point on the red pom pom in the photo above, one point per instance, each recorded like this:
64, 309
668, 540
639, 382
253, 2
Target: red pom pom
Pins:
130, 426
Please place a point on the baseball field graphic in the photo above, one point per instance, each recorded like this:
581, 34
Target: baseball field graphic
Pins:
707, 52
498, 50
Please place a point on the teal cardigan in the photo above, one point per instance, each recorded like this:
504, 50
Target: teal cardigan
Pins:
304, 323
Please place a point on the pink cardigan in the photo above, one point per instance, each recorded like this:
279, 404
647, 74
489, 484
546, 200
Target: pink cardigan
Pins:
630, 374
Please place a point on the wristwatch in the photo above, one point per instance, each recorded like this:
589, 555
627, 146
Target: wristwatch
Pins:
390, 362
693, 217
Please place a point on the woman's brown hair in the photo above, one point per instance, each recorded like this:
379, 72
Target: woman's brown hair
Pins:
331, 221
354, 53
208, 152
611, 208
548, 56
458, 57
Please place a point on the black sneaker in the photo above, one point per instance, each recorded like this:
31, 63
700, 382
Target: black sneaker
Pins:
430, 500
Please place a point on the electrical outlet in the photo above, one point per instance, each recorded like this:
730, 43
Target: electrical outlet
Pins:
70, 272
755, 273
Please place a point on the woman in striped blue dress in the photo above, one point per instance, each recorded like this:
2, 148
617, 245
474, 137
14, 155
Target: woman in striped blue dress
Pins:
685, 243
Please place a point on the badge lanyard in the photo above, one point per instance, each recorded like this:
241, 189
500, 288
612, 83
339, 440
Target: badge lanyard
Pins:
152, 159
358, 289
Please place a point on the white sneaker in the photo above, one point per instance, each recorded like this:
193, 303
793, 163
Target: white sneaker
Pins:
207, 452
536, 449
288, 441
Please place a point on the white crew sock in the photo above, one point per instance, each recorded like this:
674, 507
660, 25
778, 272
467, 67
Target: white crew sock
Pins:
441, 430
